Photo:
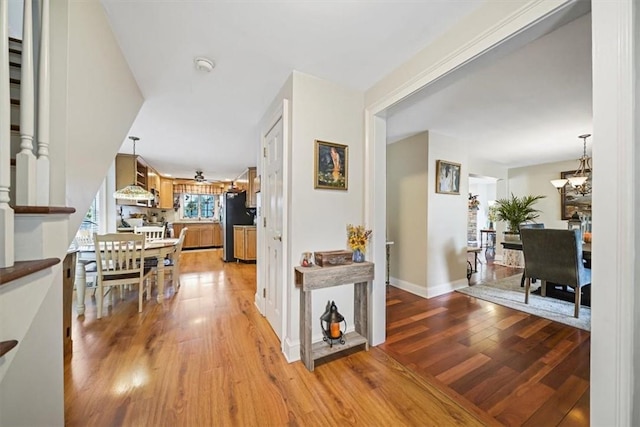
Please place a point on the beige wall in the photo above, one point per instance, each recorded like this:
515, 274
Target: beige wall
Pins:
407, 181
535, 180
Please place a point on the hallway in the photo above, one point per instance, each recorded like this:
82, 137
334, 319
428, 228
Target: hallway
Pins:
207, 357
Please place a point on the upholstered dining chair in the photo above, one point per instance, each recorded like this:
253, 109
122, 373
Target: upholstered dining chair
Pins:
120, 261
529, 225
151, 232
554, 256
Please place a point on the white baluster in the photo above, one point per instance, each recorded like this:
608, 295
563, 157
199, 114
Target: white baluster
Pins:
25, 159
42, 164
6, 213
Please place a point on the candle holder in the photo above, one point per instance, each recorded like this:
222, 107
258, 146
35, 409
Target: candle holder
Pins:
330, 325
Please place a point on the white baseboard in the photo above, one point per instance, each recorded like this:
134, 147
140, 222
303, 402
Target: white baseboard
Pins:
421, 291
431, 291
291, 350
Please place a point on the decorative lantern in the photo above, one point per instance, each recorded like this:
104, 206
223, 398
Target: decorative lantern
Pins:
330, 324
575, 223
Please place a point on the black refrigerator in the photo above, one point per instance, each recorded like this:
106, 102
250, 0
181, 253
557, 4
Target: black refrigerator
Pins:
233, 212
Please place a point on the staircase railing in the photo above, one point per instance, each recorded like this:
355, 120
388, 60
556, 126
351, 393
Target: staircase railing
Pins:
6, 212
32, 173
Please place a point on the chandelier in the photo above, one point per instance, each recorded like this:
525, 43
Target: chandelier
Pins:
581, 178
133, 191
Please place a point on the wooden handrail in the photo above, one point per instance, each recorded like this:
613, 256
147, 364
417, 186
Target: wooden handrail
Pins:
24, 268
6, 346
43, 210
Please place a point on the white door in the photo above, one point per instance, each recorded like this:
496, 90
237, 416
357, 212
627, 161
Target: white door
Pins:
273, 231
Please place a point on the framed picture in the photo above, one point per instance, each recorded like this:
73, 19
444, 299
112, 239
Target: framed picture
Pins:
331, 165
570, 200
447, 177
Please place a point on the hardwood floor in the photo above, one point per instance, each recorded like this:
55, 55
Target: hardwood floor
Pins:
516, 368
207, 357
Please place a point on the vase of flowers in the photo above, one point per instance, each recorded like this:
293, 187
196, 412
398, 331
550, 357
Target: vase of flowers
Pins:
357, 237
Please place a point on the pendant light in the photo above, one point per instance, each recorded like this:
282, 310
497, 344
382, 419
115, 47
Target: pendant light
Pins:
580, 180
133, 191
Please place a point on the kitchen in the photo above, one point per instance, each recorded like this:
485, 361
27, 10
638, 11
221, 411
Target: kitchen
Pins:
218, 214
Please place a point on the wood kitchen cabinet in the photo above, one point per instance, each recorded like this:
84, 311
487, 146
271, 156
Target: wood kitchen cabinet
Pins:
130, 170
166, 193
244, 242
246, 182
199, 234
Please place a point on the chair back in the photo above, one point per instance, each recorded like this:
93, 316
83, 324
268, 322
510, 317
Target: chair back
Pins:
120, 257
150, 232
84, 238
531, 225
554, 256
181, 237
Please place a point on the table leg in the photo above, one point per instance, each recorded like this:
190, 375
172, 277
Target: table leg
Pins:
160, 273
81, 286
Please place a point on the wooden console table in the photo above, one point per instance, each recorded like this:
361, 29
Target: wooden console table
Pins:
311, 278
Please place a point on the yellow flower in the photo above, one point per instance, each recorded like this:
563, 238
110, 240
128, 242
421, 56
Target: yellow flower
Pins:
357, 237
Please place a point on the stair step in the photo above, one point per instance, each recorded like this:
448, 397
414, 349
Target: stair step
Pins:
24, 268
14, 50
15, 102
14, 64
15, 128
14, 81
43, 210
12, 162
6, 346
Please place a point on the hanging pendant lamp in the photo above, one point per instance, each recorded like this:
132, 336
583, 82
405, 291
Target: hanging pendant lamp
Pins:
133, 191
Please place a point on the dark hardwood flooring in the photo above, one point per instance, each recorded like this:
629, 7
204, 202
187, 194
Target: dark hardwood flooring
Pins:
519, 369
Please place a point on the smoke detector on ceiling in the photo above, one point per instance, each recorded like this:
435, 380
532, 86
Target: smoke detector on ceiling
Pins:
204, 64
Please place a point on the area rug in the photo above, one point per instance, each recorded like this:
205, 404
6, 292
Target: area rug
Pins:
507, 292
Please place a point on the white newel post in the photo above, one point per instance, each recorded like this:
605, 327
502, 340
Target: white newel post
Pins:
25, 159
42, 164
6, 213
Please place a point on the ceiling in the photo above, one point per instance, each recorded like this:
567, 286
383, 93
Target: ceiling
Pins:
519, 105
193, 120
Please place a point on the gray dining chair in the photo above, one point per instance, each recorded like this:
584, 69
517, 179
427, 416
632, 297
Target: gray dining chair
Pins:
554, 256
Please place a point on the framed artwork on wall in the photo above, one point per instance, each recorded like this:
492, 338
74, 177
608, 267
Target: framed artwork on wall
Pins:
331, 166
447, 177
570, 200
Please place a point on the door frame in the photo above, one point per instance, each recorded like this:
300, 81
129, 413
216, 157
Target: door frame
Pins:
281, 112
612, 338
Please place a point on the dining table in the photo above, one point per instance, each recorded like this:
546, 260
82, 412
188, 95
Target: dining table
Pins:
159, 249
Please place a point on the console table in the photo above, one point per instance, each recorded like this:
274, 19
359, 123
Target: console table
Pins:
314, 277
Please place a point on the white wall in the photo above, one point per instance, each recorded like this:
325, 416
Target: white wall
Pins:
314, 220
407, 183
103, 101
328, 112
447, 220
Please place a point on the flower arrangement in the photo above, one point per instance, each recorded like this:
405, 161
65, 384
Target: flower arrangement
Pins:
357, 237
473, 202
493, 213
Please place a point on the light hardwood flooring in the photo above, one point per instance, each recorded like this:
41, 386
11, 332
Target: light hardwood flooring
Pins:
207, 357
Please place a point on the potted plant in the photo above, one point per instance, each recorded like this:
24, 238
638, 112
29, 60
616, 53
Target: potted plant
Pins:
517, 210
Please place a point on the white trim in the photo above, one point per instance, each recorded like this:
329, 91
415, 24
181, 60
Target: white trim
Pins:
614, 206
291, 349
421, 291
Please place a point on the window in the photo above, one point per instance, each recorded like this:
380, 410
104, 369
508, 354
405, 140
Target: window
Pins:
198, 205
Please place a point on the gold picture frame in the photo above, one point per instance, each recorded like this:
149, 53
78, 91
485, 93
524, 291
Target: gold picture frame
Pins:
331, 166
570, 200
447, 177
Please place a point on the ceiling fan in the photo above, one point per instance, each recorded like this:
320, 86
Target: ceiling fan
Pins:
199, 176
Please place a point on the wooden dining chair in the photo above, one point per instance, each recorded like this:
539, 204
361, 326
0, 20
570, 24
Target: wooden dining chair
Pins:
554, 256
172, 264
120, 261
151, 232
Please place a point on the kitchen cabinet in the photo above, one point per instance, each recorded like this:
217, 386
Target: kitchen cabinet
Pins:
166, 193
244, 242
153, 179
246, 182
199, 234
130, 170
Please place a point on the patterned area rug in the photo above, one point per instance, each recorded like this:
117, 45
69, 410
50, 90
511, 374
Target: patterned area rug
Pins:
508, 292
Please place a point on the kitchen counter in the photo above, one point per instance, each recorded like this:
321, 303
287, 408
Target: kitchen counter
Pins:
200, 234
244, 226
195, 221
